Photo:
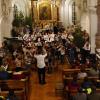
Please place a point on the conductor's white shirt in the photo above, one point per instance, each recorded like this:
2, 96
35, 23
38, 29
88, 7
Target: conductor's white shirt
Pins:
40, 60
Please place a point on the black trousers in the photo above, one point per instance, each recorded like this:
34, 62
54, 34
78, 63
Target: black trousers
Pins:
41, 75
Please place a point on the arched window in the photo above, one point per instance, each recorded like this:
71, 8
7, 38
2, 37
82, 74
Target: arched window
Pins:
74, 13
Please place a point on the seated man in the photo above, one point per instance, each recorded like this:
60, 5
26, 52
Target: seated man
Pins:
94, 95
82, 74
87, 85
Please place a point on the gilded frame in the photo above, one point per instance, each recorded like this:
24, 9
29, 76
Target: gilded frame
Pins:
45, 11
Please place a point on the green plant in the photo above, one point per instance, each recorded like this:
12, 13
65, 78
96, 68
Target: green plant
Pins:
78, 38
28, 21
18, 18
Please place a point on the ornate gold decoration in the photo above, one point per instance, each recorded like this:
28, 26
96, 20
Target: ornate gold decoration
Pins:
45, 11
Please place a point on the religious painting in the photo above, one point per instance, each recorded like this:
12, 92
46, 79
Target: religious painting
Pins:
45, 11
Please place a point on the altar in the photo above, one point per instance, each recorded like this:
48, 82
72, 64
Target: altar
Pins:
45, 12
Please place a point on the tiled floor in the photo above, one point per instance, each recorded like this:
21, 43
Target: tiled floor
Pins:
47, 91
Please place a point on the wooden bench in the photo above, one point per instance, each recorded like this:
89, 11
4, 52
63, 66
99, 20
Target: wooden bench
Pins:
18, 85
74, 92
19, 94
66, 80
69, 72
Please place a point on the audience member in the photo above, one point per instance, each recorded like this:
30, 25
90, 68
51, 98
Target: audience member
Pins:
94, 95
80, 95
82, 73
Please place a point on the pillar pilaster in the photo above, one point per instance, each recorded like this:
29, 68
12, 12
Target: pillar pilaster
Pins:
98, 30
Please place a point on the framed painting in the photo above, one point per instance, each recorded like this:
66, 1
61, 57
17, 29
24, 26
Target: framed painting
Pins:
45, 11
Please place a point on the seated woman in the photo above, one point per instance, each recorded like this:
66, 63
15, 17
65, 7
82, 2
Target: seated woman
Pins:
80, 60
18, 72
18, 62
73, 87
4, 64
3, 74
88, 63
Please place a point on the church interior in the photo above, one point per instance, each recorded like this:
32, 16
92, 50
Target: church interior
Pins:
50, 49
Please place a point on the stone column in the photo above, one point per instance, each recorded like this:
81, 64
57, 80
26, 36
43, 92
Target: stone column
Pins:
61, 13
93, 24
34, 12
6, 23
0, 24
63, 17
98, 30
54, 12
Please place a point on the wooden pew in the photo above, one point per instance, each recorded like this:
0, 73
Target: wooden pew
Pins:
19, 94
74, 92
18, 85
66, 80
69, 72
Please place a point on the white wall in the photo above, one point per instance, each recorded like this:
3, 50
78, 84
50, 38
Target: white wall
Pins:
66, 12
89, 22
69, 3
93, 23
6, 22
6, 17
85, 22
61, 12
22, 5
87, 18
